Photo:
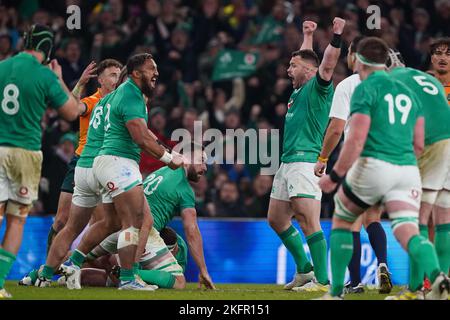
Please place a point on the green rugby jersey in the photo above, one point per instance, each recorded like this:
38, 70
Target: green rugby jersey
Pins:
306, 120
96, 133
168, 191
393, 110
431, 95
27, 88
127, 103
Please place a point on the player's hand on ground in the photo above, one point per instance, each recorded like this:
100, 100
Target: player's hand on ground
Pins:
338, 25
319, 168
326, 184
309, 27
88, 73
177, 161
56, 68
205, 280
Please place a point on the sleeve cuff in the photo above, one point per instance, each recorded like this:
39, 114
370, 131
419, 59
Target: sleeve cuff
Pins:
322, 82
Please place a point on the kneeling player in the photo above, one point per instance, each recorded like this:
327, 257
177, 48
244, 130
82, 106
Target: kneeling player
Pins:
158, 265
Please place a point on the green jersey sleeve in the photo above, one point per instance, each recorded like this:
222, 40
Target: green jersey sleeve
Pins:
321, 86
361, 100
56, 96
187, 197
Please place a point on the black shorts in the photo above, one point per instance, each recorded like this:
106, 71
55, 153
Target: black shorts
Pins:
69, 180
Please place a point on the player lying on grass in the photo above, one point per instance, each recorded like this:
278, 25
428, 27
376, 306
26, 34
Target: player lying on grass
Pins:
158, 265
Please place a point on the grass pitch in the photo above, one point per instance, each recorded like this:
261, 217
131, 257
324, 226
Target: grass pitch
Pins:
224, 292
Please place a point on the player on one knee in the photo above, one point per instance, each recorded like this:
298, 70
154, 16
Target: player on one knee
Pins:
339, 115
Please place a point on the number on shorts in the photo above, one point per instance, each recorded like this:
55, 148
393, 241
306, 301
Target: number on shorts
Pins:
10, 96
152, 184
107, 124
402, 103
96, 117
428, 87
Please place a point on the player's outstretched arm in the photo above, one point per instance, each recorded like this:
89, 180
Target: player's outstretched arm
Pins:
333, 50
419, 136
308, 30
140, 134
353, 146
195, 243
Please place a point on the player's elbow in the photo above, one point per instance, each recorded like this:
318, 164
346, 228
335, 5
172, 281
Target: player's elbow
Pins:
69, 111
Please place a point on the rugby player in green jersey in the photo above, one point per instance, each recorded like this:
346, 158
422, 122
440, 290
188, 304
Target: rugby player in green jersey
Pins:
378, 165
434, 166
116, 169
295, 190
169, 192
27, 88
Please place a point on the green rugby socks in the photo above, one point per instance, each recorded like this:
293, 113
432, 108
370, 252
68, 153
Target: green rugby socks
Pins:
293, 242
318, 248
341, 251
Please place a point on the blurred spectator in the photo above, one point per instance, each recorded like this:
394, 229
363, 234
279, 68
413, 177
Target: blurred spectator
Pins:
228, 203
258, 205
71, 63
5, 47
157, 123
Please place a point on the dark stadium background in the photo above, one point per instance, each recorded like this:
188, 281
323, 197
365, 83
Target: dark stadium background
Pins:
185, 37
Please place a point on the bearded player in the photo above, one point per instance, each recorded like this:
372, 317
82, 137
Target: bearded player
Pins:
295, 190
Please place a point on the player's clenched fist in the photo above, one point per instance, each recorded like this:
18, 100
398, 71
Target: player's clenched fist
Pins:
177, 161
338, 25
309, 27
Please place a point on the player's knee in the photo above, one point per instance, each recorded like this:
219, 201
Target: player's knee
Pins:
404, 222
59, 223
17, 210
128, 237
342, 212
277, 224
180, 282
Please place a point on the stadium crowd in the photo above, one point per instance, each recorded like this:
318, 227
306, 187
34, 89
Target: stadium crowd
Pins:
185, 37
